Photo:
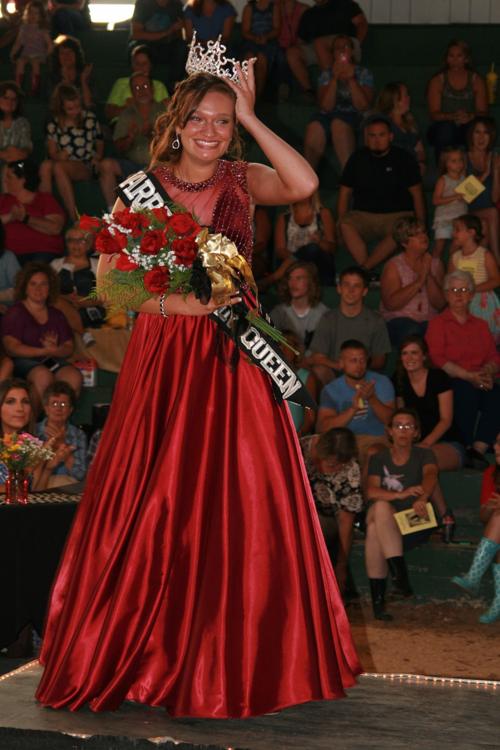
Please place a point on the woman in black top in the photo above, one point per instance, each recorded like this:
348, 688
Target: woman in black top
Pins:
428, 391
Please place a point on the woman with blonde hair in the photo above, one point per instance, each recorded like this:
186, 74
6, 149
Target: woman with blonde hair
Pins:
394, 102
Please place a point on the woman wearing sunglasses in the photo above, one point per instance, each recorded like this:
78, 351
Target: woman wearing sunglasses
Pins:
33, 220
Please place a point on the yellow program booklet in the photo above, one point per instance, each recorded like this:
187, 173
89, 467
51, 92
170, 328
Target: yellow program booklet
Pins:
409, 522
470, 188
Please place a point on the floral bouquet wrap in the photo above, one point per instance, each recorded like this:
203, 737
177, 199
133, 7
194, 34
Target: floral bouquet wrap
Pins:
22, 452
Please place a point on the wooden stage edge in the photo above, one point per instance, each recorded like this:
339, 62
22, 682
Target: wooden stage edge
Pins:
382, 711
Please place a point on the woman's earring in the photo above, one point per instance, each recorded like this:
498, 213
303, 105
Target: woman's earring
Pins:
176, 144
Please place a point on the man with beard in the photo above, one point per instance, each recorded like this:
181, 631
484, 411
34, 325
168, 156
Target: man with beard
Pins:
361, 400
384, 184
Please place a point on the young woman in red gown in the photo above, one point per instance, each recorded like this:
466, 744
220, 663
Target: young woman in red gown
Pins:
196, 576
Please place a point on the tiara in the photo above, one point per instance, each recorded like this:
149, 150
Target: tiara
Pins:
212, 59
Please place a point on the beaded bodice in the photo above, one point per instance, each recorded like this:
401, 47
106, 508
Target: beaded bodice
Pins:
221, 202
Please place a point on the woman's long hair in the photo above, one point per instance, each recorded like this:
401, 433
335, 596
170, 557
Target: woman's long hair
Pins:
187, 96
387, 101
400, 372
64, 40
63, 92
16, 383
314, 290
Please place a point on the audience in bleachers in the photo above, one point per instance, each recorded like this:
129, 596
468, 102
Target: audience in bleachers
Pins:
132, 135
352, 319
37, 335
33, 220
260, 28
291, 12
345, 93
394, 102
482, 266
462, 346
75, 146
69, 16
68, 66
33, 44
9, 267
335, 478
159, 24
120, 96
209, 19
411, 283
301, 308
15, 131
318, 27
454, 96
488, 552
69, 442
384, 184
303, 418
400, 477
484, 164
361, 399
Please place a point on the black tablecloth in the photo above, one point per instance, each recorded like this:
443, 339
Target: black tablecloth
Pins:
32, 538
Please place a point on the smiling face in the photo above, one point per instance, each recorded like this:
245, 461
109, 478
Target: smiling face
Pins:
455, 163
58, 408
72, 109
352, 290
481, 137
142, 90
418, 242
15, 412
412, 358
37, 288
209, 128
8, 103
403, 431
458, 296
77, 243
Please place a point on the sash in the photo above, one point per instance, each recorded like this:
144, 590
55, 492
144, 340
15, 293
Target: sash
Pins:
144, 190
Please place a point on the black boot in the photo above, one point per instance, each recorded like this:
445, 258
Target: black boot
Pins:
399, 574
377, 589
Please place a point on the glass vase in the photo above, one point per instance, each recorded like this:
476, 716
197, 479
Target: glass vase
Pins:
16, 488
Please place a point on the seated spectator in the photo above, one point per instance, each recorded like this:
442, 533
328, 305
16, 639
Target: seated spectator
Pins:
301, 308
132, 135
482, 266
68, 66
260, 28
384, 183
429, 392
345, 93
303, 418
411, 283
9, 268
462, 346
317, 30
120, 96
361, 399
290, 14
400, 477
485, 166
10, 20
69, 442
77, 278
210, 19
449, 204
306, 232
37, 335
394, 103
69, 16
74, 143
454, 96
350, 320
33, 220
159, 24
33, 44
334, 474
15, 131
488, 550
17, 414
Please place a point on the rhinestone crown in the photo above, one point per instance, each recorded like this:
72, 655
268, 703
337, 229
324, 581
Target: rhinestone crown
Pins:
212, 59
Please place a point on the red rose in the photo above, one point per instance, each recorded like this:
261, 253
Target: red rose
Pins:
128, 219
108, 243
152, 242
185, 251
161, 214
124, 263
89, 223
183, 224
157, 280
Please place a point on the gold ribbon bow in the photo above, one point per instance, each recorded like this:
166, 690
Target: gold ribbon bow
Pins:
224, 265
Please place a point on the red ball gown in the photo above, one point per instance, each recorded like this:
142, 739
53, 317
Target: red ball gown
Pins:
195, 576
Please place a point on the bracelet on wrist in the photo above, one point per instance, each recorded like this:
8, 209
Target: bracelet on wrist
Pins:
163, 312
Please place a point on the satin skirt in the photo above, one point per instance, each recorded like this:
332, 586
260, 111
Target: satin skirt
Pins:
195, 576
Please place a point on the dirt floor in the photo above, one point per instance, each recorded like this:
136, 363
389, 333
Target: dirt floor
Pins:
441, 638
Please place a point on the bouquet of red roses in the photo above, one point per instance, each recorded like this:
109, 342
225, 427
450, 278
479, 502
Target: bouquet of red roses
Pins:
164, 252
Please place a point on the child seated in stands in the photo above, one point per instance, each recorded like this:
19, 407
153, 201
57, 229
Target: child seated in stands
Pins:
488, 551
32, 45
449, 204
69, 442
335, 478
482, 266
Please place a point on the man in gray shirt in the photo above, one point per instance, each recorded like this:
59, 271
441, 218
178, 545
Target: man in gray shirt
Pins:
351, 320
